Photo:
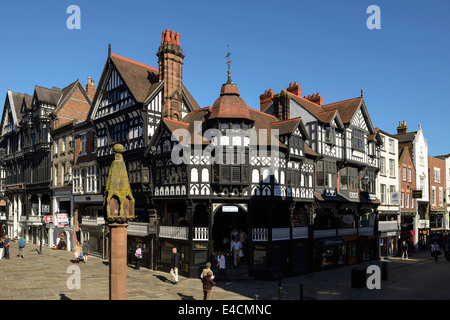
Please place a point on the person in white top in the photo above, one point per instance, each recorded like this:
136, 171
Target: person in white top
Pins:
222, 267
235, 248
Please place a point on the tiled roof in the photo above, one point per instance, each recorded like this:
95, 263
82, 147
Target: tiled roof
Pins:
138, 76
325, 113
346, 108
46, 95
229, 104
286, 126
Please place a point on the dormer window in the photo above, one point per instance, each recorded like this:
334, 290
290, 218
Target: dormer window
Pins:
330, 135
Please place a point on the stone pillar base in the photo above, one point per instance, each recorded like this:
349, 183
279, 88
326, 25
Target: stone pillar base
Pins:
118, 261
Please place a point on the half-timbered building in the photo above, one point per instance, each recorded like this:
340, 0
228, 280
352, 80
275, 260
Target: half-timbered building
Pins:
13, 159
130, 100
343, 136
230, 166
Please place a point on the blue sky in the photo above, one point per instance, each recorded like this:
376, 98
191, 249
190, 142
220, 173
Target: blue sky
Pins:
403, 67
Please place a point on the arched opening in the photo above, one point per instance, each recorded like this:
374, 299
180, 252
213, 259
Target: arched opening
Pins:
226, 218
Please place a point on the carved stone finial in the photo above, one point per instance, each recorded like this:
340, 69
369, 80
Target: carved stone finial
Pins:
118, 204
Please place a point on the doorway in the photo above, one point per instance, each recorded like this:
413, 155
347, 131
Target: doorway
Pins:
227, 218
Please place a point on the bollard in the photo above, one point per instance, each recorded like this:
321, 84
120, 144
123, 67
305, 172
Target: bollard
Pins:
301, 291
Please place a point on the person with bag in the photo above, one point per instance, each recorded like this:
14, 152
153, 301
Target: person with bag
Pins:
138, 255
86, 251
435, 251
21, 247
207, 277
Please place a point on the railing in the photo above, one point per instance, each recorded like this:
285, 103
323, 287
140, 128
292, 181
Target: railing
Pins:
324, 233
34, 218
299, 232
388, 226
366, 231
347, 231
93, 221
260, 234
201, 233
137, 228
174, 232
281, 234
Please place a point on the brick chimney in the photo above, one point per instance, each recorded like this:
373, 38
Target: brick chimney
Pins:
90, 88
402, 128
265, 99
316, 98
295, 89
171, 72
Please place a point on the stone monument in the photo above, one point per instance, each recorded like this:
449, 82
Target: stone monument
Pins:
118, 208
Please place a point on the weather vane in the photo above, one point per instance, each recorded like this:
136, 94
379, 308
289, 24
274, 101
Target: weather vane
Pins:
228, 63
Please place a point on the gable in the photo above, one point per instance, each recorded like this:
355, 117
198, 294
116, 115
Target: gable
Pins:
114, 96
74, 107
359, 121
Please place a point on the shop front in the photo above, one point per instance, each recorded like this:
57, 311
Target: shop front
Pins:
424, 234
408, 237
389, 243
330, 252
166, 254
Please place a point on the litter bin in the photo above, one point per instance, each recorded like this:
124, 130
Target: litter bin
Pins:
385, 270
359, 278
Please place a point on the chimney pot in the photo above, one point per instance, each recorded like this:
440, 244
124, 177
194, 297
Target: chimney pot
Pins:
265, 99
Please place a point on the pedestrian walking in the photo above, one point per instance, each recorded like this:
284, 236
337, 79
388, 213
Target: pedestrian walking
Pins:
6, 245
207, 277
222, 267
138, 255
404, 250
435, 251
86, 251
447, 251
175, 265
78, 252
21, 247
234, 235
235, 249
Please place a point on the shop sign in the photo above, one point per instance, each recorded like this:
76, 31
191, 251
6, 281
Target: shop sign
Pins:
348, 219
48, 219
2, 203
200, 246
424, 224
63, 220
417, 194
168, 244
14, 187
151, 229
45, 208
230, 209
331, 242
395, 198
